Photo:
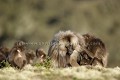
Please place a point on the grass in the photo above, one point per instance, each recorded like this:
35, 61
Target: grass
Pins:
4, 63
74, 73
44, 71
46, 63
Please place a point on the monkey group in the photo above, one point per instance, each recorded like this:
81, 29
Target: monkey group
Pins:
19, 55
70, 49
66, 49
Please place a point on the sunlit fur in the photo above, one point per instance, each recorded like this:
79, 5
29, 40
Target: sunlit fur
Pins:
64, 49
97, 48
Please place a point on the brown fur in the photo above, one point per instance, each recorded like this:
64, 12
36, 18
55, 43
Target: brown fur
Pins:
97, 48
71, 49
4, 52
35, 57
64, 49
40, 55
17, 57
30, 55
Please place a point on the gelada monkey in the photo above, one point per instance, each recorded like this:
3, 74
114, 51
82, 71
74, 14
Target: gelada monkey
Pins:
94, 52
35, 57
4, 52
64, 49
30, 56
96, 47
17, 57
40, 55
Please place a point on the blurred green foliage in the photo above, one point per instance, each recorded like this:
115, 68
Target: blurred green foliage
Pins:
4, 64
38, 20
46, 64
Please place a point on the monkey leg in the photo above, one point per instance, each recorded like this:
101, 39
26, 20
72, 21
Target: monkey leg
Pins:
54, 58
62, 58
97, 62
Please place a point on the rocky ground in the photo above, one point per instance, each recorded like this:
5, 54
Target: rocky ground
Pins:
75, 73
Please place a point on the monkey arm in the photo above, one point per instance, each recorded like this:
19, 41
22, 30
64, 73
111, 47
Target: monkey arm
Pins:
62, 59
73, 59
100, 57
98, 62
76, 50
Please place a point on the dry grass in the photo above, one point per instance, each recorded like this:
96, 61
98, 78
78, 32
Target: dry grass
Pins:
75, 73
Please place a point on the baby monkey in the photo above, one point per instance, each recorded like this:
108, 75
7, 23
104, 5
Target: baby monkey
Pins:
31, 56
41, 56
17, 57
35, 57
96, 47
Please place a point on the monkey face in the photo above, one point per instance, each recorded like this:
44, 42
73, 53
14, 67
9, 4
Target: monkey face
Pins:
20, 45
17, 58
41, 56
30, 55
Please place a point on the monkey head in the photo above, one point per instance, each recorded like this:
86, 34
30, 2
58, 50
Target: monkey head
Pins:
17, 58
41, 56
88, 37
30, 55
20, 45
5, 51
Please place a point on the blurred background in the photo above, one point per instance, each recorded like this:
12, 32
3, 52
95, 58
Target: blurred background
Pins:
36, 21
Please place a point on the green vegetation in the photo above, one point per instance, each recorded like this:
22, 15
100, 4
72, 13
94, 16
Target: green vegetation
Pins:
46, 64
4, 64
46, 72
